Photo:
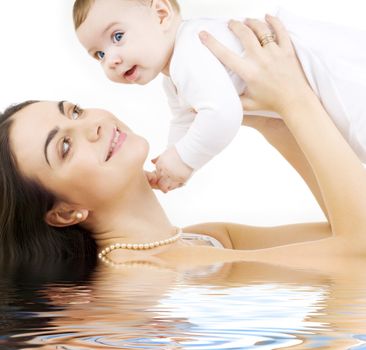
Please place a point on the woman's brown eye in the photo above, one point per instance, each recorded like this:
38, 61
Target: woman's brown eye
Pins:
76, 111
66, 145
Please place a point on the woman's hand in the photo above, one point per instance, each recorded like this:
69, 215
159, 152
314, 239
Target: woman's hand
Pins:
272, 72
275, 81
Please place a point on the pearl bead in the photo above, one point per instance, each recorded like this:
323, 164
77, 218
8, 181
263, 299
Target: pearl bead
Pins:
137, 246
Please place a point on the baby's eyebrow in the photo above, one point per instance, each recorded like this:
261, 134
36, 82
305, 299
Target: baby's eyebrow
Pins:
109, 27
92, 52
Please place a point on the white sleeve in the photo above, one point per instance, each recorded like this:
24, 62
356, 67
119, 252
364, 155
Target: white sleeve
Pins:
182, 117
203, 83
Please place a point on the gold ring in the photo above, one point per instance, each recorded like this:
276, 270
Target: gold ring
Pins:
267, 35
266, 39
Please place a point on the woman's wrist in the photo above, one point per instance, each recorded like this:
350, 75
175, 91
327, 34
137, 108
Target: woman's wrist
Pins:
296, 101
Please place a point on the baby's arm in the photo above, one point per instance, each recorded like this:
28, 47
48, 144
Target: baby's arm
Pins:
179, 125
211, 120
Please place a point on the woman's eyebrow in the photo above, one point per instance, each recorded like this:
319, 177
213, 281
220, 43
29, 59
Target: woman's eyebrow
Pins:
53, 132
49, 138
61, 108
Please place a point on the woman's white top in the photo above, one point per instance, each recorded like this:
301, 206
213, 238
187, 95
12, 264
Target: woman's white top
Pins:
201, 239
203, 94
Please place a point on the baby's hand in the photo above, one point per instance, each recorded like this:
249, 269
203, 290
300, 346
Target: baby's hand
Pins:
152, 177
171, 171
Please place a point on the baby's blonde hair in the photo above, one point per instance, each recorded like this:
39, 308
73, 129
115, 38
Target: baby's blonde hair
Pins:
82, 8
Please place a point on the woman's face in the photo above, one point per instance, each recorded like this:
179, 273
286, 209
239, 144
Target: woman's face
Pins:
87, 157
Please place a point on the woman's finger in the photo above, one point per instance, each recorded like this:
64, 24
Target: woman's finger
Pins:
226, 56
246, 36
265, 36
280, 31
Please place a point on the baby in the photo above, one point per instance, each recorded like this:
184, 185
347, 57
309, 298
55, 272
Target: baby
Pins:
135, 40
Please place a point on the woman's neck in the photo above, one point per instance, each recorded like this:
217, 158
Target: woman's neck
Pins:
136, 217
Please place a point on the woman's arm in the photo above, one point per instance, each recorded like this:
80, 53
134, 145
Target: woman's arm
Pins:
339, 172
275, 81
276, 132
245, 237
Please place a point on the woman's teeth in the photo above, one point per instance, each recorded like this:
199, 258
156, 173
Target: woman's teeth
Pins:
114, 143
116, 137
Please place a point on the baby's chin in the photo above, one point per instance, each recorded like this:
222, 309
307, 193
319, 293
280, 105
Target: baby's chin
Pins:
142, 78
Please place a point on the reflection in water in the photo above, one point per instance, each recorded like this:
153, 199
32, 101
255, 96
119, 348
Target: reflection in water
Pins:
235, 306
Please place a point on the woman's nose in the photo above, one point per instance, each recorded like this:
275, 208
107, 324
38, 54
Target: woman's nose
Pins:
92, 131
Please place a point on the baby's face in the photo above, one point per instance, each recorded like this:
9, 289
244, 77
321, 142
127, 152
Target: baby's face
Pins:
128, 38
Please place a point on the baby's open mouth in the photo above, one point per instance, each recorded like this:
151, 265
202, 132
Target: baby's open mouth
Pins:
131, 74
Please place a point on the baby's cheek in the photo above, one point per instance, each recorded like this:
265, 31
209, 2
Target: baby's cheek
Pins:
112, 75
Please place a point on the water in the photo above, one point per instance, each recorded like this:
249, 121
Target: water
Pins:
140, 306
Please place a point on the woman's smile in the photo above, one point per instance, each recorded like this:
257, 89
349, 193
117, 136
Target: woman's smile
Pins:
117, 139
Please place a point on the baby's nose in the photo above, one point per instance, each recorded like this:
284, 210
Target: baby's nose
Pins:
114, 60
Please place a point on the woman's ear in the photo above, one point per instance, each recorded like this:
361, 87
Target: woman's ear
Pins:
164, 11
63, 214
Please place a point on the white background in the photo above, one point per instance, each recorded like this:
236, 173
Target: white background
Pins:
247, 183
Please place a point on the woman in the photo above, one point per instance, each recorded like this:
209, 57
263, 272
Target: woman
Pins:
81, 171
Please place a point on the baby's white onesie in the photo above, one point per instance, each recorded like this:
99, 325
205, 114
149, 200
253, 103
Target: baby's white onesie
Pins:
203, 94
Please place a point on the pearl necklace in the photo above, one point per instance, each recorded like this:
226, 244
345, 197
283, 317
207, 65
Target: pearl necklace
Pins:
140, 246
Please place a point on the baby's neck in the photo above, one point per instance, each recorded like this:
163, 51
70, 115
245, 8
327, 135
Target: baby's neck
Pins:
171, 37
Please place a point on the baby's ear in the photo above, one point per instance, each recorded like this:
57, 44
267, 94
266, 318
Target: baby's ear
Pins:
63, 214
164, 11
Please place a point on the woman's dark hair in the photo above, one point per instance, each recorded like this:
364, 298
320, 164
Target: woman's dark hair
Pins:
24, 203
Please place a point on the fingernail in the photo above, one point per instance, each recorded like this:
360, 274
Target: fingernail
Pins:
203, 35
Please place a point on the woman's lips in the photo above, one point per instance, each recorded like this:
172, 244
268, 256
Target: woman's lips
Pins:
131, 75
117, 140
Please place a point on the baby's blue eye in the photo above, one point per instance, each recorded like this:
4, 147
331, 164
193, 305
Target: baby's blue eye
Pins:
99, 55
117, 36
